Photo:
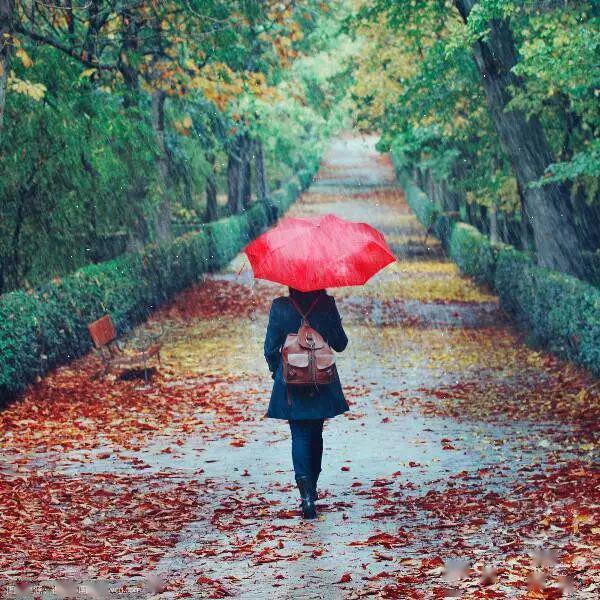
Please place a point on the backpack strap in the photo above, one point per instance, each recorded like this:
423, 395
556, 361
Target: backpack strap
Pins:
304, 315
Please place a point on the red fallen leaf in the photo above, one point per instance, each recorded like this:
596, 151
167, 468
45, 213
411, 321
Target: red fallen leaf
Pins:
316, 553
356, 484
431, 563
448, 447
238, 443
443, 592
205, 552
286, 514
218, 590
345, 469
378, 576
387, 540
379, 556
396, 473
381, 483
414, 464
245, 473
385, 420
345, 578
104, 455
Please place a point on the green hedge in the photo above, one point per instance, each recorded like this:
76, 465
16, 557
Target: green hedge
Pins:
425, 210
561, 312
473, 253
48, 326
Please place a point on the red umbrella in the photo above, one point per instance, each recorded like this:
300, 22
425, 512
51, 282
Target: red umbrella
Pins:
319, 252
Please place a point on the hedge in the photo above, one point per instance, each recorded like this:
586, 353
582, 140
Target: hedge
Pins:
472, 252
47, 327
425, 210
561, 312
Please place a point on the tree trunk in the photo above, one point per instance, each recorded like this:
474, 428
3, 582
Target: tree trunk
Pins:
483, 220
129, 45
493, 213
469, 214
505, 236
211, 192
588, 217
163, 213
555, 235
430, 187
233, 178
6, 17
524, 225
245, 186
261, 175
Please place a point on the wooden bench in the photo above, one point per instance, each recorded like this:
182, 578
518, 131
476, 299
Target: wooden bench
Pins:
104, 336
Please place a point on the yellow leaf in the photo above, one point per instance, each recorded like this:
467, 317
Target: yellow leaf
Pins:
20, 53
87, 73
582, 519
35, 91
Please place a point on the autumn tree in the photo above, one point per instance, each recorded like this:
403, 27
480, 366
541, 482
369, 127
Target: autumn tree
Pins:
483, 110
119, 114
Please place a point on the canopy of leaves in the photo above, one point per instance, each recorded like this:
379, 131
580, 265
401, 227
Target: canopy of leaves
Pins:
81, 146
417, 84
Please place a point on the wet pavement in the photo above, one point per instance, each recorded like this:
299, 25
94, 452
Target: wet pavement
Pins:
444, 479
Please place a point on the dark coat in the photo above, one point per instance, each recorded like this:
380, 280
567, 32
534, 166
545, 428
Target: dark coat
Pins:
304, 403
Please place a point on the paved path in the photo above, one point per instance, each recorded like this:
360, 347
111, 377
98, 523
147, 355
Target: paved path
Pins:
464, 469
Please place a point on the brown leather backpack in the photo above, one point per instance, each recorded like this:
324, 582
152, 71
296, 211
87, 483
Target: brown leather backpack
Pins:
307, 358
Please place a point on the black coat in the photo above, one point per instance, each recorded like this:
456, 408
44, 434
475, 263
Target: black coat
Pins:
303, 403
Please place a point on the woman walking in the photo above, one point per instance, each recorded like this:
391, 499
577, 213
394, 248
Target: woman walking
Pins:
310, 255
304, 407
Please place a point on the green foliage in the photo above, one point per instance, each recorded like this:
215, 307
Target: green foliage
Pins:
425, 210
68, 162
473, 253
85, 168
443, 227
560, 312
47, 326
417, 83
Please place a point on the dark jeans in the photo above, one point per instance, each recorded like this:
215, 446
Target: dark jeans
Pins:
307, 446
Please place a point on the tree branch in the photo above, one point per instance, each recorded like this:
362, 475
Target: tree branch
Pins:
37, 37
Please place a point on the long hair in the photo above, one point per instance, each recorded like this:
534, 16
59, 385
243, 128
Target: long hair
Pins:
305, 299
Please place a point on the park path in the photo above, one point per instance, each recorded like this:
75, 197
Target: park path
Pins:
465, 467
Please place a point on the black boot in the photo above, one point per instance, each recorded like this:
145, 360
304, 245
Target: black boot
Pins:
313, 490
306, 493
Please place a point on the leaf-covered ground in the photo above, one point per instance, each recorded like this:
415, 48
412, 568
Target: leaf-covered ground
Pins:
465, 467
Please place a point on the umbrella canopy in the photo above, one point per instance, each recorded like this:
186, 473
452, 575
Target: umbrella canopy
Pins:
319, 252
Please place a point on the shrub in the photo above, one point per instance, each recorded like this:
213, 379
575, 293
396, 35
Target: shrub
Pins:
561, 312
48, 326
473, 253
306, 177
442, 228
425, 210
